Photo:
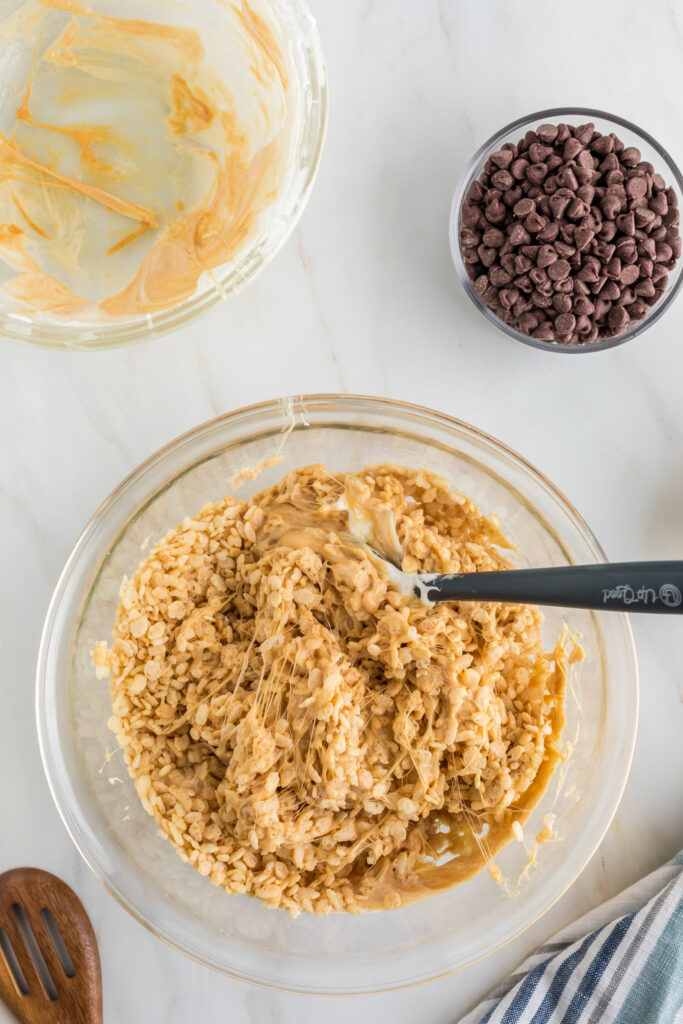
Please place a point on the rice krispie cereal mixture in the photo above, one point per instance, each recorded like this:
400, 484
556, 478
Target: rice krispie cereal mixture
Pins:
305, 732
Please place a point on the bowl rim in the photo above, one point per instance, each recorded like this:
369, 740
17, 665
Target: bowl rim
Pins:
292, 405
491, 144
97, 337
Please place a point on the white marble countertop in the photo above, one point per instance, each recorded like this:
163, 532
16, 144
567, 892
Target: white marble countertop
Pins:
364, 299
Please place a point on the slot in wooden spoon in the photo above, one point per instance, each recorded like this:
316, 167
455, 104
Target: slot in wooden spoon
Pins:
49, 962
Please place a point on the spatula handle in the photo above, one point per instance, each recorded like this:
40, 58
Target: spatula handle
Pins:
655, 587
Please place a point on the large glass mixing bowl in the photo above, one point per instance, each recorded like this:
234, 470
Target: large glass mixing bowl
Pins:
236, 934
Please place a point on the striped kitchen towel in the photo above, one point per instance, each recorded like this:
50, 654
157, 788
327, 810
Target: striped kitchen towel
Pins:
622, 962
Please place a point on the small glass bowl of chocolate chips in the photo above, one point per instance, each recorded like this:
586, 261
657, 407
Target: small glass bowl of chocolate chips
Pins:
565, 230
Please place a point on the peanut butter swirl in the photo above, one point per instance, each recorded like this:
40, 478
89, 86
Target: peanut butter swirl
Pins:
305, 732
130, 165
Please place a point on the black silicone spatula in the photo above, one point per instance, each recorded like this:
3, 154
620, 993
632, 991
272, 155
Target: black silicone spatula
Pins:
654, 587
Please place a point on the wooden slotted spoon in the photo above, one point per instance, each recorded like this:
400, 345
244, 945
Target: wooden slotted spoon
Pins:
49, 962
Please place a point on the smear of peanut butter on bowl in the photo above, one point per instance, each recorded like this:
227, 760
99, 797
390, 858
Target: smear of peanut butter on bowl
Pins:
131, 166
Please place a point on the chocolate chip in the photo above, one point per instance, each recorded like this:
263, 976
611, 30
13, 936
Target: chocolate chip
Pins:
663, 252
659, 204
538, 274
544, 332
630, 156
613, 268
611, 205
609, 163
618, 319
562, 303
588, 273
602, 308
569, 235
524, 284
519, 235
535, 223
558, 204
470, 215
645, 218
536, 173
604, 251
637, 310
586, 162
602, 145
567, 179
540, 300
565, 323
518, 168
508, 297
608, 231
528, 322
558, 270
564, 249
503, 158
630, 274
583, 237
538, 152
645, 288
495, 212
523, 208
493, 237
547, 133
577, 209
502, 180
549, 232
475, 192
583, 305
636, 187
546, 256
647, 247
499, 277
522, 264
572, 148
584, 133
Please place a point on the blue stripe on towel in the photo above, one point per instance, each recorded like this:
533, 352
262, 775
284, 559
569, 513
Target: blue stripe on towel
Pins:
620, 964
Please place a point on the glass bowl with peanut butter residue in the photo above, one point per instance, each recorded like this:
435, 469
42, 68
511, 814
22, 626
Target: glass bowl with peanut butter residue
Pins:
152, 164
101, 804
